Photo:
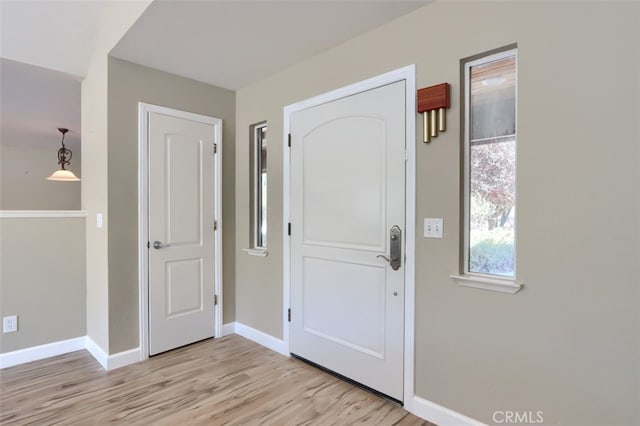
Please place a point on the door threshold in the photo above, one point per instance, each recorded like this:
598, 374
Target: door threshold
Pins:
349, 380
182, 346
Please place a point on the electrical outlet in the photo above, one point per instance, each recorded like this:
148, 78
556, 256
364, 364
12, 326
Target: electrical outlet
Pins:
10, 324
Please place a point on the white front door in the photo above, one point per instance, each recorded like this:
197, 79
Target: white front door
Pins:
181, 231
347, 193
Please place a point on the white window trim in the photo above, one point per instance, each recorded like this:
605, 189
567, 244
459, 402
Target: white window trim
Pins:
256, 252
473, 279
488, 283
256, 249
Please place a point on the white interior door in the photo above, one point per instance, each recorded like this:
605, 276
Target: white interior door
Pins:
347, 192
181, 231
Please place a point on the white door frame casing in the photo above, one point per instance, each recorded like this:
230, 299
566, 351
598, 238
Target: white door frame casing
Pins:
143, 215
407, 74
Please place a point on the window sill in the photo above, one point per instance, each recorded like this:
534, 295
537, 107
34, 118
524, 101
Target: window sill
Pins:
493, 284
256, 252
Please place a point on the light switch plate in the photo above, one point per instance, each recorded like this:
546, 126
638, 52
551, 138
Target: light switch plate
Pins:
433, 227
10, 324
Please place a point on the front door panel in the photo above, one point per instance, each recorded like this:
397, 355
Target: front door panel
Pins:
347, 192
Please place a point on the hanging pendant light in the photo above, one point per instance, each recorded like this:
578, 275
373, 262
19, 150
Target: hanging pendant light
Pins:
64, 158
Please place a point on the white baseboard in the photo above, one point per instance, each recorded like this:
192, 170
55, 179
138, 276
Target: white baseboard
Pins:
440, 415
108, 362
229, 328
96, 351
111, 362
35, 353
124, 358
261, 338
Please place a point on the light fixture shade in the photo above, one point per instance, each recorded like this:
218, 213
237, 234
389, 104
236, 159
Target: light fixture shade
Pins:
63, 176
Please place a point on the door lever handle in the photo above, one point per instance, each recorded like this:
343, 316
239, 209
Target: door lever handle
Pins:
395, 252
158, 245
393, 259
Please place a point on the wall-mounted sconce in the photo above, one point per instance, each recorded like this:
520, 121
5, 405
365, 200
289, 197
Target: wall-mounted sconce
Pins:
432, 103
64, 158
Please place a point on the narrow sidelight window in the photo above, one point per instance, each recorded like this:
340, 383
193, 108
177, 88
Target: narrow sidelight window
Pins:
490, 136
259, 185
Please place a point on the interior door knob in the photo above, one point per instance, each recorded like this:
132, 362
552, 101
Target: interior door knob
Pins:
158, 245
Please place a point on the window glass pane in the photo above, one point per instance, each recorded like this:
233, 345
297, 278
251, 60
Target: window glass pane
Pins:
262, 226
263, 212
493, 99
492, 167
492, 210
259, 186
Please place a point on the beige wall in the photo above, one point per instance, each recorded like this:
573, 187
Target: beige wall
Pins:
30, 111
568, 344
94, 198
117, 18
42, 280
129, 84
23, 172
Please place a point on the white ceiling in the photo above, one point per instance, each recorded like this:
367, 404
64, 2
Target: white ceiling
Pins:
233, 44
229, 44
59, 35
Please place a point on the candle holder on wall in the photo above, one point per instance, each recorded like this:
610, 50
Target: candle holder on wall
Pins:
432, 103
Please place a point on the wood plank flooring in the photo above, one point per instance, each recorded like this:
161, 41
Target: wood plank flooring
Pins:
230, 380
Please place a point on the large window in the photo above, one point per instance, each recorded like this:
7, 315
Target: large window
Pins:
490, 83
259, 186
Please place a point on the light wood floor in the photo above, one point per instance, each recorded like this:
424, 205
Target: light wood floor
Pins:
219, 381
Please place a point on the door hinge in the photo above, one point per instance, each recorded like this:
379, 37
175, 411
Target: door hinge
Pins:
148, 244
289, 314
215, 225
215, 300
289, 140
289, 228
215, 148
